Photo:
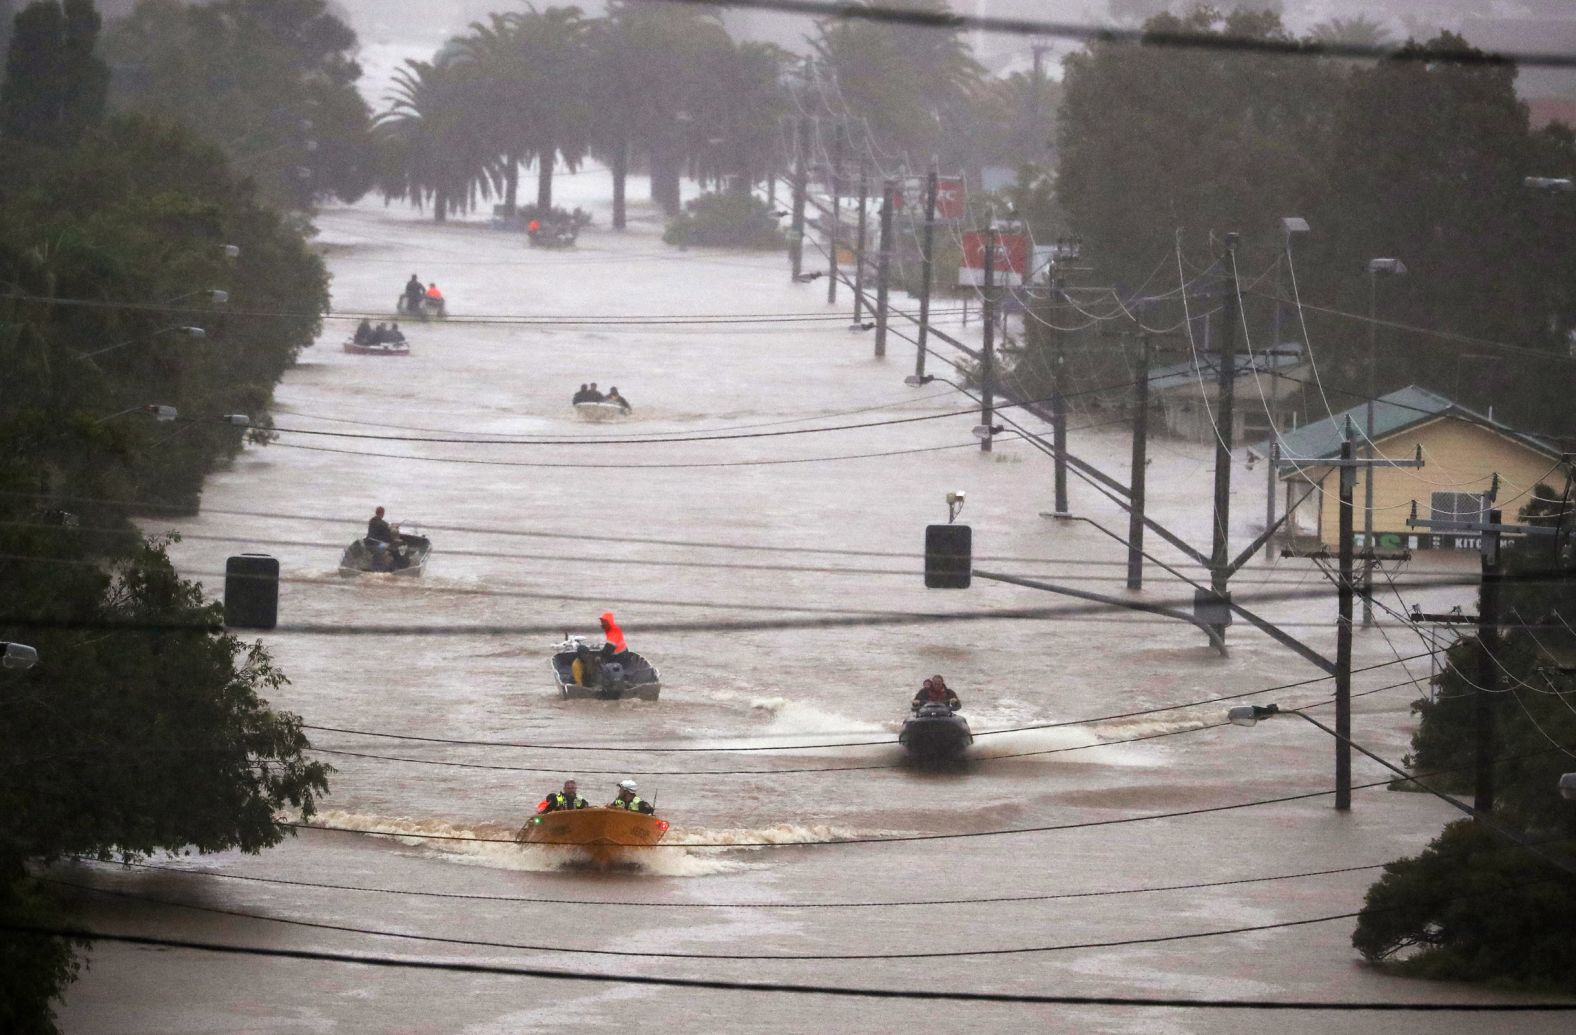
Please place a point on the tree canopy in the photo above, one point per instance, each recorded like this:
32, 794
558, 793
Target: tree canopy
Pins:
142, 728
273, 82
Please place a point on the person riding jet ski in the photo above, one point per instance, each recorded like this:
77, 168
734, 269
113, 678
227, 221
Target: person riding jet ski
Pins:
935, 691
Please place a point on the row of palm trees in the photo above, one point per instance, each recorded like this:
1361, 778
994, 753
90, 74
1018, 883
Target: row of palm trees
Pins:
657, 86
664, 88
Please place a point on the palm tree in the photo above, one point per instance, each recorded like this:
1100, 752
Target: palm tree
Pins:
433, 141
736, 128
648, 65
910, 83
530, 67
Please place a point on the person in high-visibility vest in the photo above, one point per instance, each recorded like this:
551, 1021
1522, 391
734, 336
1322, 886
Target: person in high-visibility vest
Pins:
565, 799
613, 634
628, 799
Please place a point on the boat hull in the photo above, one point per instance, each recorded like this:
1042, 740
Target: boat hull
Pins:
600, 411
358, 559
623, 676
606, 835
386, 348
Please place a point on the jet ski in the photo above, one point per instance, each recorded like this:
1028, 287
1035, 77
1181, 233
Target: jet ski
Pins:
607, 835
614, 676
406, 557
935, 733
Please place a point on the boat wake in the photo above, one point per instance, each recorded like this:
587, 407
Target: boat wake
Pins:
694, 852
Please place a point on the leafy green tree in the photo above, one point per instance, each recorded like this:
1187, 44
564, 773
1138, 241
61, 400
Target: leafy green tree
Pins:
55, 84
128, 740
1470, 907
273, 82
1157, 139
1426, 161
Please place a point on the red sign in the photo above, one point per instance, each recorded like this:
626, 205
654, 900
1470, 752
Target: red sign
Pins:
951, 199
1012, 253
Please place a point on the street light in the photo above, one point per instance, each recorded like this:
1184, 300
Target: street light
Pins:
1550, 184
1394, 268
162, 414
217, 295
190, 332
18, 655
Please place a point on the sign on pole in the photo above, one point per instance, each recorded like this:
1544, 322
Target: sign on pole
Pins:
951, 198
1010, 264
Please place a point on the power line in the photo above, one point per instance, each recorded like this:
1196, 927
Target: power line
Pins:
628, 979
650, 904
1112, 34
1026, 950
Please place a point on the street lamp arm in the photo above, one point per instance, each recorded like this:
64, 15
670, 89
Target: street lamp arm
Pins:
1100, 598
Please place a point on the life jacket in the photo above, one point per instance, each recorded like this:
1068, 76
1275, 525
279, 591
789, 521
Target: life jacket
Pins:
560, 800
613, 634
633, 805
434, 293
577, 672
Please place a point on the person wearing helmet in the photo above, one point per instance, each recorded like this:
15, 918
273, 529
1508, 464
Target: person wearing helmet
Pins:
565, 799
628, 799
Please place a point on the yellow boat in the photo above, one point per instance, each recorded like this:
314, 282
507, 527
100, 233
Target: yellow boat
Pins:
607, 835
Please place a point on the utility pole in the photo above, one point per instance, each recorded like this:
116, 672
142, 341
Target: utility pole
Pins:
859, 247
1225, 410
796, 232
1135, 512
884, 264
1343, 635
926, 267
835, 226
1058, 404
988, 353
1270, 468
1483, 703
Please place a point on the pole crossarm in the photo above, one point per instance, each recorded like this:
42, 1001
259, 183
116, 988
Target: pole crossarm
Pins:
1100, 598
1480, 526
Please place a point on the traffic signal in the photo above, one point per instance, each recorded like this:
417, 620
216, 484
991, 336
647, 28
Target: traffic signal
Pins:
251, 591
949, 556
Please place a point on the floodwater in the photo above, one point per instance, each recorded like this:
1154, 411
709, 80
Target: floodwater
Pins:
546, 536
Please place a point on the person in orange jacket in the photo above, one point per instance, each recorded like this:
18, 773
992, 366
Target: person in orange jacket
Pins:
614, 636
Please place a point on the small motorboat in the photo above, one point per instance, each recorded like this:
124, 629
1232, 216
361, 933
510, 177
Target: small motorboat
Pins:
406, 557
429, 308
607, 835
553, 233
601, 411
377, 348
613, 676
935, 733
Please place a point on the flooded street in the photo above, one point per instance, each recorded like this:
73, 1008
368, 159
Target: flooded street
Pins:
1152, 830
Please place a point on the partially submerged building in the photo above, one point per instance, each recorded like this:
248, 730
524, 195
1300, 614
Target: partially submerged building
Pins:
1462, 450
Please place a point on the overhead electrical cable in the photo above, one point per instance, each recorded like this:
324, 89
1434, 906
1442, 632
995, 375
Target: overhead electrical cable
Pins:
625, 979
